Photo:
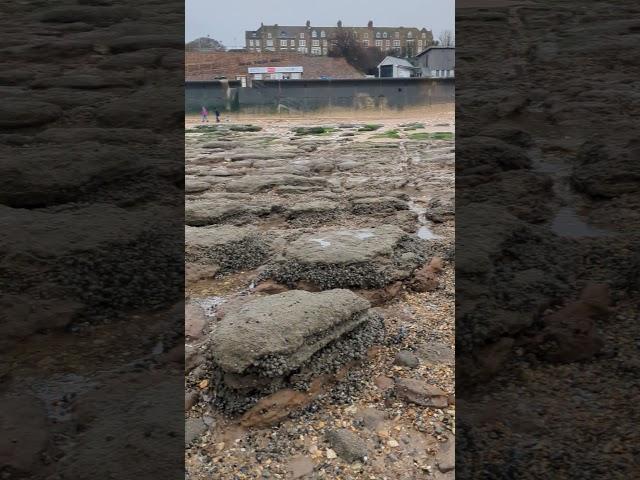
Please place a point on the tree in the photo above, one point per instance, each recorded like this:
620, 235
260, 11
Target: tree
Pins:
446, 39
205, 44
344, 44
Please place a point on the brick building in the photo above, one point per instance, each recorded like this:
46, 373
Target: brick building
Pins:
313, 40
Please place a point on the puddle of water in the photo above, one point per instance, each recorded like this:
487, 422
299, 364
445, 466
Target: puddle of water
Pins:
210, 304
424, 231
59, 392
567, 223
323, 243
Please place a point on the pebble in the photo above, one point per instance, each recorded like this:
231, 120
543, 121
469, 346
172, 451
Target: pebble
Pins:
406, 358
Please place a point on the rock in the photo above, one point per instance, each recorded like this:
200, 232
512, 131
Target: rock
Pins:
259, 342
375, 205
194, 428
19, 113
194, 320
381, 296
573, 329
384, 383
101, 16
274, 408
323, 208
446, 457
364, 258
405, 358
331, 454
347, 445
254, 330
270, 287
426, 279
259, 183
192, 357
372, 418
24, 432
194, 186
190, 399
420, 393
300, 467
195, 272
207, 212
231, 248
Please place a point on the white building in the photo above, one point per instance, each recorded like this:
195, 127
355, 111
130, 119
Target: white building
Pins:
394, 67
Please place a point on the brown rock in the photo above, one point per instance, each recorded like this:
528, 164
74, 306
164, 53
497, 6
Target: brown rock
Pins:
573, 328
381, 296
270, 287
418, 392
195, 272
274, 408
383, 383
446, 458
300, 467
190, 399
426, 279
194, 320
308, 286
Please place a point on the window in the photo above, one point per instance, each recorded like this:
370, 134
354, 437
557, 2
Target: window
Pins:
420, 44
269, 43
396, 43
257, 76
384, 34
388, 43
355, 34
323, 34
410, 34
315, 43
366, 34
269, 35
301, 34
325, 43
397, 34
257, 43
251, 43
451, 73
292, 43
243, 80
302, 43
316, 51
283, 43
314, 34
424, 35
377, 34
303, 49
365, 43
378, 43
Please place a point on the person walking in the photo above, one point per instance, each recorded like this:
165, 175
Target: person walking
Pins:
205, 114
217, 116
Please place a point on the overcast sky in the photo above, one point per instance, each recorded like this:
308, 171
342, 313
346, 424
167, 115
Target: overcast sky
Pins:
227, 21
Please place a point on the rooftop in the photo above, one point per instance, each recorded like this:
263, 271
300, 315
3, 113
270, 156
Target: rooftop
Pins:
208, 66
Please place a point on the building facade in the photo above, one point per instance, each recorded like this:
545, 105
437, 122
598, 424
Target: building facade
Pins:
437, 62
314, 40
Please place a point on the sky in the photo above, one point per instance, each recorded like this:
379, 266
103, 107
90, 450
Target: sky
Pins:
227, 21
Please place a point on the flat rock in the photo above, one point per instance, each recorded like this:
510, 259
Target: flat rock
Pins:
378, 205
259, 183
420, 393
300, 467
364, 258
293, 324
20, 113
405, 358
313, 207
211, 212
194, 428
194, 320
232, 248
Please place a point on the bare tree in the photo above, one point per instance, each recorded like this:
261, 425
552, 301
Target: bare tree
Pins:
344, 44
446, 39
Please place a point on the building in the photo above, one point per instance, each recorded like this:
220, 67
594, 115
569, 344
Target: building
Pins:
246, 66
313, 40
437, 62
394, 67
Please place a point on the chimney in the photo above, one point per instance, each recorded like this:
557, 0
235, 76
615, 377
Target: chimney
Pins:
308, 23
370, 24
339, 23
